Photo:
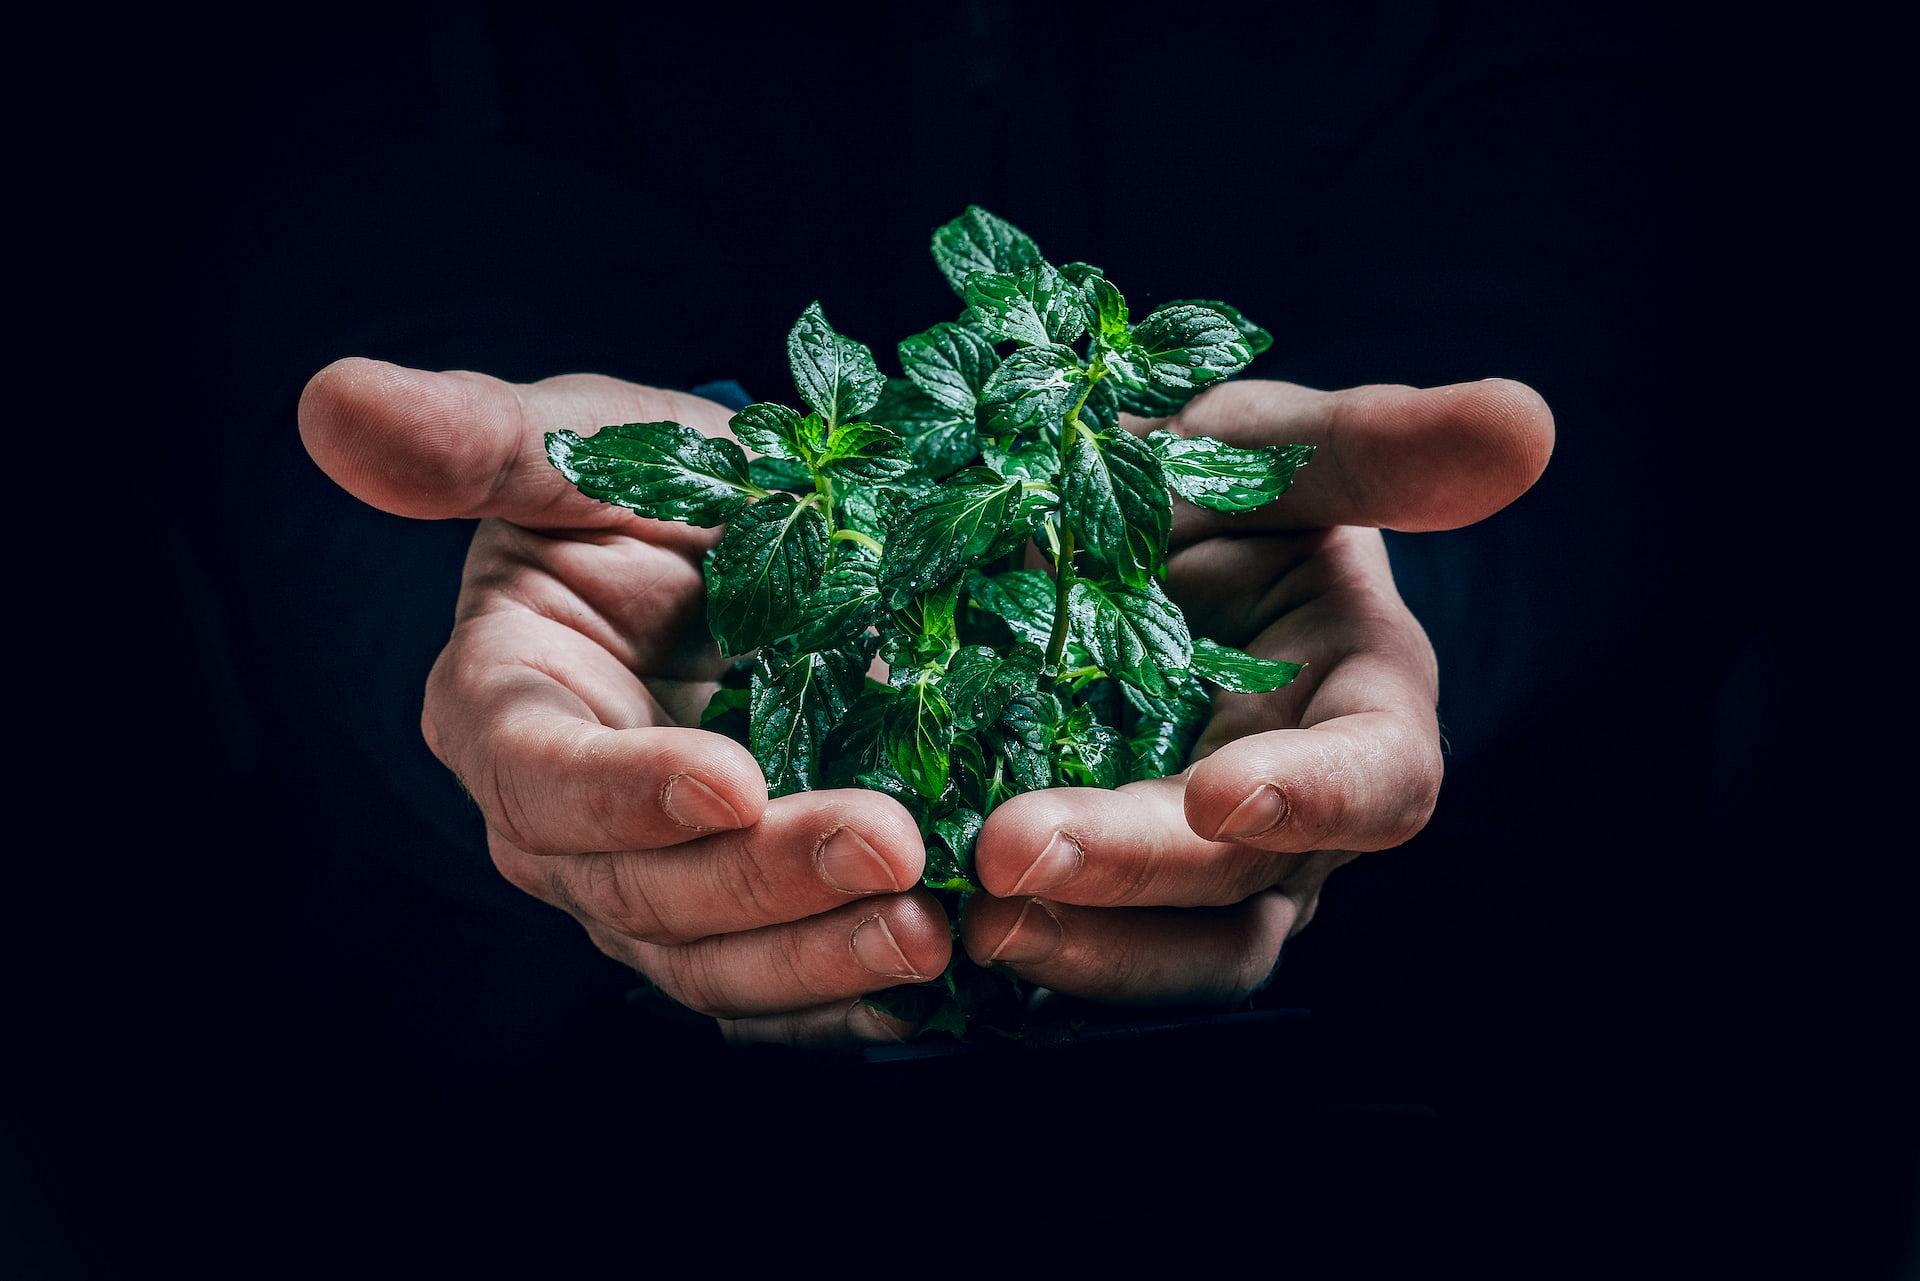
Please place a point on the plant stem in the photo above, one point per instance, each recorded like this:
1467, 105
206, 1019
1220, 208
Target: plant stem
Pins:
1063, 557
855, 536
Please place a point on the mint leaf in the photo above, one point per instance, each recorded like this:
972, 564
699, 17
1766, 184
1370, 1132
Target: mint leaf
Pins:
663, 471
726, 713
1186, 345
1035, 307
1088, 753
1258, 339
919, 732
796, 701
1134, 633
1033, 387
956, 527
978, 241
835, 375
773, 430
950, 852
1166, 728
939, 439
951, 363
846, 603
773, 554
1024, 740
1108, 307
1239, 671
1033, 459
979, 683
780, 473
1210, 473
1115, 496
1021, 597
864, 451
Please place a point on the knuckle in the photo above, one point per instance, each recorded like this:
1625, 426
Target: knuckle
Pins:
618, 895
687, 975
521, 871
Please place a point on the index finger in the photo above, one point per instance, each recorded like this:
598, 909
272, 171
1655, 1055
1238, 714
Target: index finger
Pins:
1390, 457
440, 445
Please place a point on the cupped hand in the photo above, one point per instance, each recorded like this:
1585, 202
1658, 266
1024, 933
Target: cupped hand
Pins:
578, 662
1182, 890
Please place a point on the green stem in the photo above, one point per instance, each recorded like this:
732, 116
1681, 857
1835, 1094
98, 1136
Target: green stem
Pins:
855, 536
824, 487
1063, 556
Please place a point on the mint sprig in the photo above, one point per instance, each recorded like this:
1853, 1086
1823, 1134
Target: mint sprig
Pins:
893, 518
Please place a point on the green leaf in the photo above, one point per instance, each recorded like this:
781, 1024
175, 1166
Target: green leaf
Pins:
1148, 399
1210, 473
780, 473
1115, 494
1024, 738
978, 241
1024, 598
950, 852
1239, 671
663, 471
1190, 346
1033, 387
1088, 753
954, 528
919, 734
940, 440
1080, 272
1034, 307
835, 375
979, 683
772, 556
1108, 307
855, 745
951, 363
796, 701
1258, 339
1133, 633
1034, 460
773, 430
846, 603
864, 451
1164, 732
727, 713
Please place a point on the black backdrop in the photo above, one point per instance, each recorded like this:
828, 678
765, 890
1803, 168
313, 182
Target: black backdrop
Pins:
323, 998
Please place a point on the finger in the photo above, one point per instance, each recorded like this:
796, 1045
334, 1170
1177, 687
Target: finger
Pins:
1132, 846
862, 947
553, 776
438, 445
808, 854
1133, 956
1365, 781
840, 1025
1404, 458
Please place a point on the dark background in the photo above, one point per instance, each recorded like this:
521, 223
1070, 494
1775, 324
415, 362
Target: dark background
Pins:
318, 1004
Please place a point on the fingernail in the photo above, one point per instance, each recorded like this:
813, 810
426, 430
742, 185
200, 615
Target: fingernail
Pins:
1258, 813
852, 866
1034, 937
874, 947
869, 1024
1055, 866
691, 803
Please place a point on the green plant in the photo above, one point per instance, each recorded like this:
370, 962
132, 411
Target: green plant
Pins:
895, 517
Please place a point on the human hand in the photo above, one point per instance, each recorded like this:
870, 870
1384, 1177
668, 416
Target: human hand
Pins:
1183, 889
579, 660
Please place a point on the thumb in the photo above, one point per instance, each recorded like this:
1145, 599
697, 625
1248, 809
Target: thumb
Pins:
440, 445
1392, 457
